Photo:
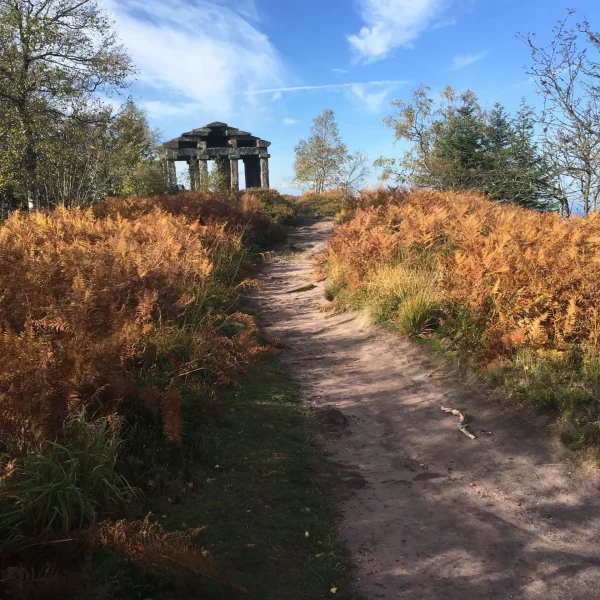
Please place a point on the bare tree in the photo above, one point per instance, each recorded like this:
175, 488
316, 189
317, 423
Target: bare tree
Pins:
354, 172
567, 75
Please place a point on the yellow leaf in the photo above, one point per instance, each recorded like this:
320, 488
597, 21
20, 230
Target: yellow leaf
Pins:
333, 590
306, 534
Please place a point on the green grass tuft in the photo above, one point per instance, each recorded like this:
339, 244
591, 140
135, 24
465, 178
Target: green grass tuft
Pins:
417, 315
61, 487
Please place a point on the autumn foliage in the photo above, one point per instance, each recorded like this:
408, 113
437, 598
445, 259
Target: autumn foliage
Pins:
527, 279
93, 298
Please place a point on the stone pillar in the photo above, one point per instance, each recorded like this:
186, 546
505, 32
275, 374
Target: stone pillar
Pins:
223, 170
264, 171
202, 173
171, 174
194, 174
227, 173
235, 174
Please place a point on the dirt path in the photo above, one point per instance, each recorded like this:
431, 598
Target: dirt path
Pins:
433, 515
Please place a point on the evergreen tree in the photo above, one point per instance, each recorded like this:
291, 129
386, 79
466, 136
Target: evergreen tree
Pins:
528, 178
498, 135
498, 129
460, 146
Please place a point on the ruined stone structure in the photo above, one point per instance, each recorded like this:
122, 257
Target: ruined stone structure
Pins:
224, 144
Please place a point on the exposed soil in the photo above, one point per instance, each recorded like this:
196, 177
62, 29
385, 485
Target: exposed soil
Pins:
430, 514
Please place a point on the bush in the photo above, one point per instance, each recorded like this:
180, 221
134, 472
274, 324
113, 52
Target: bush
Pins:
89, 301
250, 220
277, 207
327, 204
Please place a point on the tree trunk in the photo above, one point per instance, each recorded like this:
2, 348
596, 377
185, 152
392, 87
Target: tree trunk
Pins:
33, 189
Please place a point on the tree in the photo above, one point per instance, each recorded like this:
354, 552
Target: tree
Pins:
99, 152
458, 146
413, 122
319, 159
522, 175
53, 54
353, 172
567, 75
448, 140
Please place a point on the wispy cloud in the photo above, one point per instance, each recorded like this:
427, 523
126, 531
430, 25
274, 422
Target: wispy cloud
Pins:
197, 55
340, 71
288, 121
328, 86
462, 61
373, 101
444, 23
391, 24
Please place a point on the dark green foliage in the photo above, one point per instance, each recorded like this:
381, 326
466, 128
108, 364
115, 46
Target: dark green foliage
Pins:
518, 171
462, 142
459, 146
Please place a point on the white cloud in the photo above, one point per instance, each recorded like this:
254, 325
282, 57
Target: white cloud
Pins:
197, 56
460, 62
288, 121
161, 108
372, 100
391, 24
340, 71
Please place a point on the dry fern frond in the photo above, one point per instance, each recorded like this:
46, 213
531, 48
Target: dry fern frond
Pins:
156, 549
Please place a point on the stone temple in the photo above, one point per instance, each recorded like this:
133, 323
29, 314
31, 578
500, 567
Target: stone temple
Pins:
227, 146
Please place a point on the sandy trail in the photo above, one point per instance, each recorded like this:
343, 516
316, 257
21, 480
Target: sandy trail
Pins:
432, 515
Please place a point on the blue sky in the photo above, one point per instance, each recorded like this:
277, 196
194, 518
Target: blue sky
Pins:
269, 66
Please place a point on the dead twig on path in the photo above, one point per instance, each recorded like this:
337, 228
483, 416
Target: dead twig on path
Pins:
461, 421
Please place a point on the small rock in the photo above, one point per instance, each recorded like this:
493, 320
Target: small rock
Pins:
332, 416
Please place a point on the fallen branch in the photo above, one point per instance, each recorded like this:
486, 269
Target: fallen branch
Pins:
461, 421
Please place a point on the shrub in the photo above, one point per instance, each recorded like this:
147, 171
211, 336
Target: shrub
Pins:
249, 220
327, 204
279, 208
88, 301
525, 275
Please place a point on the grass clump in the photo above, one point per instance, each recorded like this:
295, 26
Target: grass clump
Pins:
60, 487
404, 294
417, 315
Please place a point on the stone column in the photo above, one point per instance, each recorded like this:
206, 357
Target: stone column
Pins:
235, 174
223, 172
171, 174
264, 171
202, 173
227, 173
194, 173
